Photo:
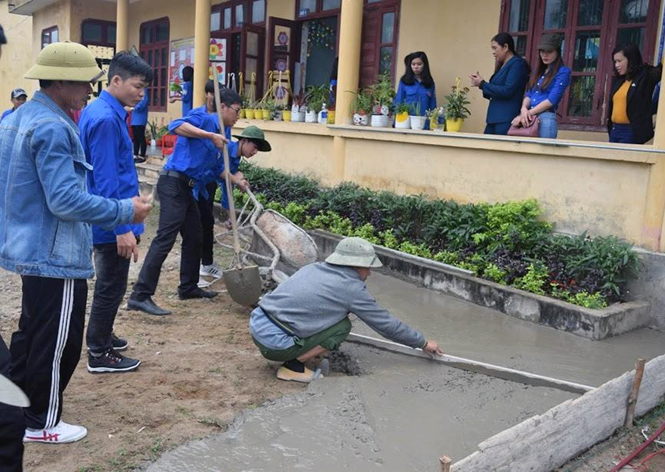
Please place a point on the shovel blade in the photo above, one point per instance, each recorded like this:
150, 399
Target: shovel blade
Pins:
244, 285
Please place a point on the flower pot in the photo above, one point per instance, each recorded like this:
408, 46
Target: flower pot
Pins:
454, 125
258, 114
360, 119
311, 117
249, 113
418, 122
402, 121
265, 114
331, 117
242, 113
153, 144
277, 115
286, 115
298, 116
380, 121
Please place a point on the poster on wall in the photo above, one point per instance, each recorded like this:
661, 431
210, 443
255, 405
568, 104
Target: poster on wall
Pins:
182, 55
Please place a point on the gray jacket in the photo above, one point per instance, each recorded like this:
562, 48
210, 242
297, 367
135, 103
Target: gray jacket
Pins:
320, 295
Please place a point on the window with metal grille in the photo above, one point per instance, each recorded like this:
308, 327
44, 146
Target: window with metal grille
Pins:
154, 48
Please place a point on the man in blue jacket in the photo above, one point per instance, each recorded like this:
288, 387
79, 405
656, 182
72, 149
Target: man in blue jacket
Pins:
45, 235
139, 120
108, 148
18, 98
183, 180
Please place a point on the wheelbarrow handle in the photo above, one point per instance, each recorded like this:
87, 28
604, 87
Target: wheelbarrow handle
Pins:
252, 197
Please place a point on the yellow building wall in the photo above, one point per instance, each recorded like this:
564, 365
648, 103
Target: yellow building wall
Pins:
59, 14
89, 9
14, 61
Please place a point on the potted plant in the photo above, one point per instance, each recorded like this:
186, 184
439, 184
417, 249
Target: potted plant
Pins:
383, 93
361, 108
316, 98
265, 105
417, 121
245, 107
456, 108
277, 111
437, 118
154, 131
298, 107
402, 119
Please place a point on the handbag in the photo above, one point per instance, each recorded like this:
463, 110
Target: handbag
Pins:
530, 131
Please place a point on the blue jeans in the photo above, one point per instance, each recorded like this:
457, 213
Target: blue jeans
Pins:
110, 287
548, 127
497, 128
622, 134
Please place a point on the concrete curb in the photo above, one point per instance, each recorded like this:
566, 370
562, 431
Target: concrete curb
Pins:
592, 324
547, 441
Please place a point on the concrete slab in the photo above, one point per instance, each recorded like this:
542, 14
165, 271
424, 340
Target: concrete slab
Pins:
481, 334
402, 415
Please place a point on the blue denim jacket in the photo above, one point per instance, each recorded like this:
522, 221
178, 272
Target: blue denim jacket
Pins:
45, 210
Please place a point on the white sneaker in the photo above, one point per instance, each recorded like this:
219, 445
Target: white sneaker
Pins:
211, 270
60, 434
203, 283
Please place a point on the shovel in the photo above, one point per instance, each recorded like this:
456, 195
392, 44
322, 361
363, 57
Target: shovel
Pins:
10, 394
242, 282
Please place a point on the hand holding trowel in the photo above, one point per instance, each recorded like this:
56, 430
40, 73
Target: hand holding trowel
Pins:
242, 282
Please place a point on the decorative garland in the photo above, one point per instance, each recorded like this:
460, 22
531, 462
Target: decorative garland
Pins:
321, 35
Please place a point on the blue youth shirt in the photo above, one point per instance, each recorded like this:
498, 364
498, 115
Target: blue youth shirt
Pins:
187, 96
416, 93
554, 90
109, 149
140, 113
198, 158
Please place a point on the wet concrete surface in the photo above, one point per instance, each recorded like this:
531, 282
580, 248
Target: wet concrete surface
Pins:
402, 413
481, 334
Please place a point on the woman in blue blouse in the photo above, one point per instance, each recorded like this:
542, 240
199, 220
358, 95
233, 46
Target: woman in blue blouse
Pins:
416, 85
187, 90
546, 88
505, 89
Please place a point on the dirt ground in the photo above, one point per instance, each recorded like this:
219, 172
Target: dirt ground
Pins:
199, 369
606, 455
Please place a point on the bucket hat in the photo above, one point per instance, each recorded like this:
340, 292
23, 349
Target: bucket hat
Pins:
550, 42
19, 92
66, 61
354, 252
255, 134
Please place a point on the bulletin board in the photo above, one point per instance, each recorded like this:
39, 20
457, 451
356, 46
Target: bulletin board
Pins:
182, 55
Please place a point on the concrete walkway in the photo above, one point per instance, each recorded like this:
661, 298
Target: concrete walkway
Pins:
404, 412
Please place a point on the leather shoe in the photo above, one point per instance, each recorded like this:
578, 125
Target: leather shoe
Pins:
197, 293
147, 306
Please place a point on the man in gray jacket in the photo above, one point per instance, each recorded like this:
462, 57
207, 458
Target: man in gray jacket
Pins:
307, 315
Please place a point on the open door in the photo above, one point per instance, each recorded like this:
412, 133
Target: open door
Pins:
284, 47
252, 55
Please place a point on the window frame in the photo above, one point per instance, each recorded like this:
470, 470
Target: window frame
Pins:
248, 11
604, 73
105, 31
319, 13
50, 30
156, 89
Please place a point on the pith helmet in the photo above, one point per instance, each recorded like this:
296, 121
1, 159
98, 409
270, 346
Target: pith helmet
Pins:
255, 134
354, 252
65, 61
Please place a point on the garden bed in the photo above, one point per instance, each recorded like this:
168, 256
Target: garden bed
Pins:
593, 324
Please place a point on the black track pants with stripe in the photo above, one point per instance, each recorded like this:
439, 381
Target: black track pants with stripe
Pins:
47, 345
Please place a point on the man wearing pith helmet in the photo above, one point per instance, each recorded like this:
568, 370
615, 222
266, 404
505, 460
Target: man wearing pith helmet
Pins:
45, 234
307, 315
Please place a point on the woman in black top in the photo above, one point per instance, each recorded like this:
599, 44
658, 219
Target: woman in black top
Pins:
630, 111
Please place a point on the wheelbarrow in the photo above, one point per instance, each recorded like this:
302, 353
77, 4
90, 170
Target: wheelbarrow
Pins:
270, 240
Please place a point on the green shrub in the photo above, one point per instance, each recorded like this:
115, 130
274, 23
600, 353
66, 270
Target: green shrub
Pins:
534, 280
494, 273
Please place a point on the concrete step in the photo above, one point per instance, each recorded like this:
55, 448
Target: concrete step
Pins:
156, 160
148, 170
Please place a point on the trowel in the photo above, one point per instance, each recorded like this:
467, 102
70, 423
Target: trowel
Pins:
242, 282
10, 394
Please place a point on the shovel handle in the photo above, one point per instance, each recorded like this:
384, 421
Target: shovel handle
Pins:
227, 166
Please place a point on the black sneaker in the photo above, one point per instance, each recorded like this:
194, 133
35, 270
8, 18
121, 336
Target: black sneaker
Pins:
119, 344
110, 362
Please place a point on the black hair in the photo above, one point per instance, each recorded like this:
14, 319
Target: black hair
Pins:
128, 65
226, 95
333, 71
542, 67
409, 78
44, 84
188, 73
3, 38
634, 56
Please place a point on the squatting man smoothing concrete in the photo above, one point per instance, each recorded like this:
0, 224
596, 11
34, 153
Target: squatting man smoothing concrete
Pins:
307, 315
